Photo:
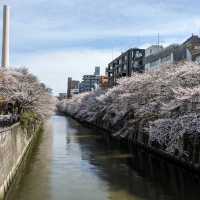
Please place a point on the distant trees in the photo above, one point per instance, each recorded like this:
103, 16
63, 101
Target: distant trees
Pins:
20, 88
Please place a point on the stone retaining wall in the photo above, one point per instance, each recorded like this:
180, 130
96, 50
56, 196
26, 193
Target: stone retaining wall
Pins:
14, 144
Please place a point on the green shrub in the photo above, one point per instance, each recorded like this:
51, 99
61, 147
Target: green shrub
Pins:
28, 119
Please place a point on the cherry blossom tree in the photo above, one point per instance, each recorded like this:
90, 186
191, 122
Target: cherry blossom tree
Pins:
162, 106
22, 88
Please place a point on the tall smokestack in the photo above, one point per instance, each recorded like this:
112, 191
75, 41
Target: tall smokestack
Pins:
6, 37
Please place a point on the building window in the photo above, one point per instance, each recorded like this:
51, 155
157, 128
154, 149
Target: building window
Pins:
166, 60
138, 54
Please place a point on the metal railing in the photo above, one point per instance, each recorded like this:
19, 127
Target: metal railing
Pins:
8, 120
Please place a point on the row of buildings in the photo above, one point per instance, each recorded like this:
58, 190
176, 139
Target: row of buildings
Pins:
136, 60
139, 60
89, 82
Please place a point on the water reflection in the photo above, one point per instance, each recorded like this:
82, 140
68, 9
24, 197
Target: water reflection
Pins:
73, 162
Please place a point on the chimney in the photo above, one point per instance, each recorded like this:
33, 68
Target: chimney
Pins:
6, 37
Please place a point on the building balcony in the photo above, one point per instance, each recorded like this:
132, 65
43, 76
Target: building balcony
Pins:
109, 70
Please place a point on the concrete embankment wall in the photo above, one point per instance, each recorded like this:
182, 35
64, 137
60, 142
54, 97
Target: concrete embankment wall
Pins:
14, 146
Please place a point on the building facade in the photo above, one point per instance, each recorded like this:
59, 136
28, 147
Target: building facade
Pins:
127, 63
187, 51
72, 87
90, 82
97, 71
153, 49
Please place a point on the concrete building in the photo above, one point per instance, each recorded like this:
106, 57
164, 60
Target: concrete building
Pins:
127, 63
72, 87
192, 46
74, 91
153, 50
188, 51
90, 82
161, 57
6, 37
97, 71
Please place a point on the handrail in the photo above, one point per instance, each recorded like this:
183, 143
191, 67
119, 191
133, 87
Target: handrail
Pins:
8, 120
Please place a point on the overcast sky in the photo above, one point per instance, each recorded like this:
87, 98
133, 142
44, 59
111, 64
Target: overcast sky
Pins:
61, 38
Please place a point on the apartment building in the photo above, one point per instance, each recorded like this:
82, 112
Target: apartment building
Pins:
72, 87
187, 51
127, 63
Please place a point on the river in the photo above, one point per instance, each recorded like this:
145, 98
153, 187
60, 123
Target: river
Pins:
72, 162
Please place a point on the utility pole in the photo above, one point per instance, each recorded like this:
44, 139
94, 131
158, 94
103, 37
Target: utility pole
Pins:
158, 38
6, 37
112, 53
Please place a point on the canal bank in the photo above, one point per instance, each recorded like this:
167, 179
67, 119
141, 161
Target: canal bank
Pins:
140, 142
158, 110
15, 147
75, 162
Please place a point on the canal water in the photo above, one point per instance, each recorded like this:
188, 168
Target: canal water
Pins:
71, 162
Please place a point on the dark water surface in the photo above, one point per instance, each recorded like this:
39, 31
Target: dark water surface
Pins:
72, 162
